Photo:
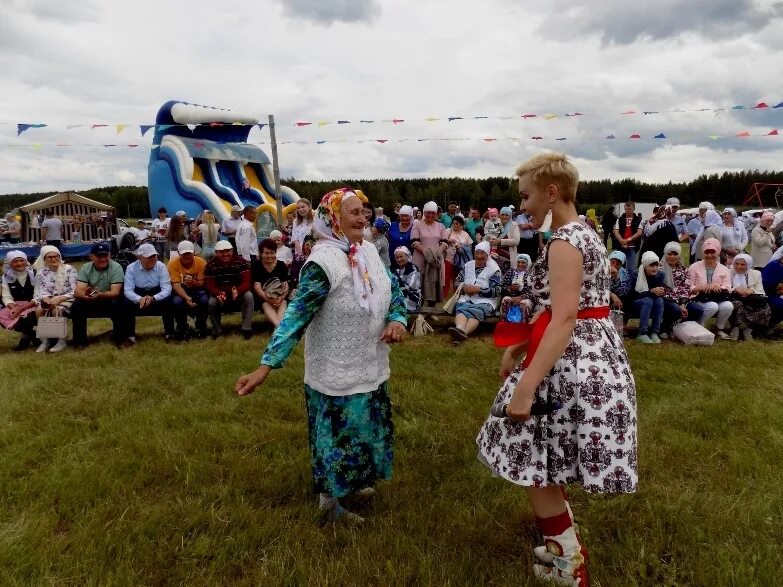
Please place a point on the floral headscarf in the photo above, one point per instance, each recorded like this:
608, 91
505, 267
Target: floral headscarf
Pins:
326, 225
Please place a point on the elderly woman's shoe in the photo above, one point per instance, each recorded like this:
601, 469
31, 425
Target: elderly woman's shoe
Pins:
43, 347
61, 344
457, 333
644, 339
734, 334
24, 344
722, 334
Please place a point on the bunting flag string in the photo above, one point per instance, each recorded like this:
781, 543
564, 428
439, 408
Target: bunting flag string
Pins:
742, 134
303, 123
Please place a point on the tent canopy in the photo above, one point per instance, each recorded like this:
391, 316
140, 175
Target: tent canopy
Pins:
66, 197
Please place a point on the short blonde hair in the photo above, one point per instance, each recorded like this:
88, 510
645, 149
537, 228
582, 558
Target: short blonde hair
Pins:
552, 168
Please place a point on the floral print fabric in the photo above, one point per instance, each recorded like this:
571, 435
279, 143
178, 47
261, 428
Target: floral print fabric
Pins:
351, 440
589, 437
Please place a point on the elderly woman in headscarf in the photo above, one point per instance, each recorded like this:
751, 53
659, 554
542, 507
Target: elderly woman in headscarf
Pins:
55, 285
408, 278
480, 281
762, 241
505, 245
400, 230
512, 285
649, 299
710, 230
658, 231
380, 232
751, 309
16, 294
348, 307
735, 236
429, 244
677, 287
622, 281
711, 285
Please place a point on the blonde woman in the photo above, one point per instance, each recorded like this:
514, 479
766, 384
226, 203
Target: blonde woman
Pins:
55, 285
209, 229
567, 414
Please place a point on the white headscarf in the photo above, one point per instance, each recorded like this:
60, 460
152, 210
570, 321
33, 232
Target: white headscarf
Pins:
10, 274
741, 279
326, 225
491, 264
668, 276
430, 207
641, 280
405, 211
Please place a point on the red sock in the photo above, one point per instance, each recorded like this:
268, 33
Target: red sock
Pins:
555, 525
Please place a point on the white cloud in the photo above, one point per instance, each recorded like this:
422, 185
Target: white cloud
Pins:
117, 63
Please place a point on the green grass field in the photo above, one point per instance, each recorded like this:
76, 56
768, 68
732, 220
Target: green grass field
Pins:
140, 467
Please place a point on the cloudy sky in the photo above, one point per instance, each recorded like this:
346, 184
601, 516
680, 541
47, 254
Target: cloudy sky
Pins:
85, 62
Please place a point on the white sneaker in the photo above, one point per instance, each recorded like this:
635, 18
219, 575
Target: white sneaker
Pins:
654, 338
722, 334
61, 344
44, 346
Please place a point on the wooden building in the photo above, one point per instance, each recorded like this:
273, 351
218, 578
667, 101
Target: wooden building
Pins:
91, 219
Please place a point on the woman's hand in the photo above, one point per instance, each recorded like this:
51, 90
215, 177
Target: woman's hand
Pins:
518, 409
394, 332
684, 310
657, 291
247, 384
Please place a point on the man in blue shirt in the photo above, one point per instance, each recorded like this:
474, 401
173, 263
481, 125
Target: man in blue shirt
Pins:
147, 291
528, 237
447, 217
696, 224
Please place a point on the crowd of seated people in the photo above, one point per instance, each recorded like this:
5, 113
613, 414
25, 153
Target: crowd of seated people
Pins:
217, 269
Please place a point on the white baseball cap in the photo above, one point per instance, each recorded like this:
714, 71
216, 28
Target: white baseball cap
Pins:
186, 247
146, 250
235, 208
180, 213
673, 202
223, 246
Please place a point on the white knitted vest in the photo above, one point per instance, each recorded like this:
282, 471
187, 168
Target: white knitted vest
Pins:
343, 353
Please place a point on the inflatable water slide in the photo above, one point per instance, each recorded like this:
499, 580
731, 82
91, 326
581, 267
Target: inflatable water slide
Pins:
200, 160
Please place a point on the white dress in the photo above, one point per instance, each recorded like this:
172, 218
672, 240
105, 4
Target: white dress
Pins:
590, 436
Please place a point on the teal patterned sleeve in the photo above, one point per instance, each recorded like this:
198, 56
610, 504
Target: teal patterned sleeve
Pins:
397, 310
310, 296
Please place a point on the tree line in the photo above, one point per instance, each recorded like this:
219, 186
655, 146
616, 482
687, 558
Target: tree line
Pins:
728, 188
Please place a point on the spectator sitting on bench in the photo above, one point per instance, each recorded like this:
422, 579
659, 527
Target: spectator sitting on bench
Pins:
190, 298
54, 287
98, 293
513, 282
16, 294
228, 283
480, 281
409, 278
270, 282
148, 292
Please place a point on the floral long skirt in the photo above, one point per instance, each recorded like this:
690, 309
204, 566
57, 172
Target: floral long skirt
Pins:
351, 440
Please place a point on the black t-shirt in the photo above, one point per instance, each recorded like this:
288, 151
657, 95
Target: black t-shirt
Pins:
262, 276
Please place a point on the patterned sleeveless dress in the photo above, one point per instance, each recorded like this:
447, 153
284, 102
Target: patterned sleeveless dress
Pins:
590, 439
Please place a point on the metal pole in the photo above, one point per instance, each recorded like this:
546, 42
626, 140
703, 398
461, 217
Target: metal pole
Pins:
276, 171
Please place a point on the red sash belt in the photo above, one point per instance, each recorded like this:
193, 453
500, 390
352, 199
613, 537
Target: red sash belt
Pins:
508, 333
539, 327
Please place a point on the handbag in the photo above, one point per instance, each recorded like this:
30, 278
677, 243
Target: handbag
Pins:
754, 301
451, 304
52, 327
713, 296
